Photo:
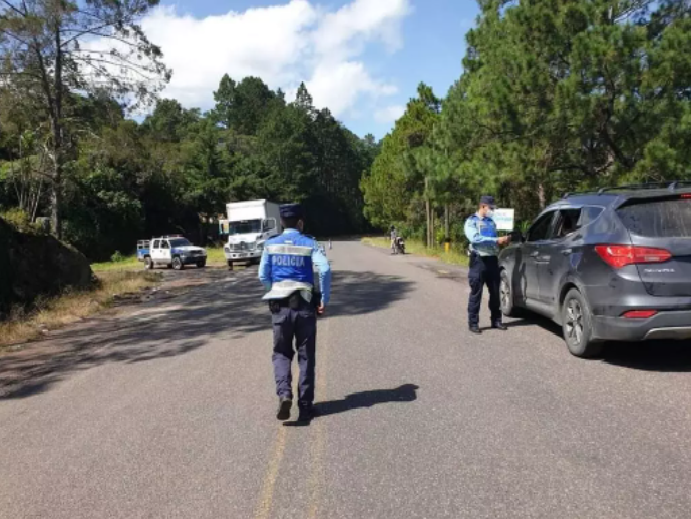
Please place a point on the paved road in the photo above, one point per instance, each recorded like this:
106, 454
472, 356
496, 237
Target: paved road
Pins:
169, 413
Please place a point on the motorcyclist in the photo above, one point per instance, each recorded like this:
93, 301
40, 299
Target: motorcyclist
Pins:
394, 235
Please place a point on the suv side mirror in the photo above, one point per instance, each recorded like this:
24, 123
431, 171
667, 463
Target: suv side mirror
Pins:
517, 236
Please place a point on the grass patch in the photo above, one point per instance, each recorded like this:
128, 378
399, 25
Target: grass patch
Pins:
72, 307
214, 257
126, 263
453, 257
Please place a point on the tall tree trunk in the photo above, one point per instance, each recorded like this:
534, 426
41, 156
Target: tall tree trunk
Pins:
446, 221
431, 223
58, 142
428, 212
541, 197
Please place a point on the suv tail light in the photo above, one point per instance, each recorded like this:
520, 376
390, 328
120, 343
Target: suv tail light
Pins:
639, 314
619, 256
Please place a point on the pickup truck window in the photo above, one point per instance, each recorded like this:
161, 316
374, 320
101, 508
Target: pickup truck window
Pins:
180, 242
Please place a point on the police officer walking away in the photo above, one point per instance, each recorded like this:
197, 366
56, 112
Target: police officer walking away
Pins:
286, 270
481, 232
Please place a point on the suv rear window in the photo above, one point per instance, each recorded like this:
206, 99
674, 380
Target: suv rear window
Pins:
658, 219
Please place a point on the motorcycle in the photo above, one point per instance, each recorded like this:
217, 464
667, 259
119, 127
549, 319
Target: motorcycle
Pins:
399, 246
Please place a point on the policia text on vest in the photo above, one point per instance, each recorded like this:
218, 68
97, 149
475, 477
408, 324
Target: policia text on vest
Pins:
288, 261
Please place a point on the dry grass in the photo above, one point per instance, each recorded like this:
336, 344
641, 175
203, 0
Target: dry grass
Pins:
72, 307
453, 257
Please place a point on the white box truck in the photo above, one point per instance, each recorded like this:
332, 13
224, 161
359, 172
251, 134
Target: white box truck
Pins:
249, 225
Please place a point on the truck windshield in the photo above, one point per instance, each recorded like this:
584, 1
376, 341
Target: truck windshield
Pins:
179, 242
246, 227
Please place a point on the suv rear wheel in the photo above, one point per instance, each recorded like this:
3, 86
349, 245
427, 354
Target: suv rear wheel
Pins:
178, 264
577, 325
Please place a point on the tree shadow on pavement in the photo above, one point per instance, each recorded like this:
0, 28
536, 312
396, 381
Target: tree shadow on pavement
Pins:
663, 356
223, 309
358, 293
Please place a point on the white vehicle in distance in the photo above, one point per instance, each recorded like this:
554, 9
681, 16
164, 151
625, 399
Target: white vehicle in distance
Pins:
249, 225
174, 252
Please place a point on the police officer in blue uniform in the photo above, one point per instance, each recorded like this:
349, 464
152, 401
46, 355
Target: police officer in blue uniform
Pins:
286, 270
481, 232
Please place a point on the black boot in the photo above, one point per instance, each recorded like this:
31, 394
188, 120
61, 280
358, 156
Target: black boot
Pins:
475, 329
284, 405
499, 326
306, 413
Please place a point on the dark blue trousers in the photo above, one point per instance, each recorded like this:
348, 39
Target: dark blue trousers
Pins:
295, 330
484, 270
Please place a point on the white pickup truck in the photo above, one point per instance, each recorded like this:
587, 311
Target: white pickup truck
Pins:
173, 252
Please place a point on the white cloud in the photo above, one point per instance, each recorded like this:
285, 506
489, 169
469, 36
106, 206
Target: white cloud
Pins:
343, 33
339, 85
283, 44
389, 114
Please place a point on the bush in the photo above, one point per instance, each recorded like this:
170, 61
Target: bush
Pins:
18, 219
118, 257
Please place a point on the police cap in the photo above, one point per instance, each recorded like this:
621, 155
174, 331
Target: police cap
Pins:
290, 211
487, 200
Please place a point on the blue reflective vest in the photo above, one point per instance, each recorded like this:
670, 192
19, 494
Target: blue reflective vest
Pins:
482, 235
290, 255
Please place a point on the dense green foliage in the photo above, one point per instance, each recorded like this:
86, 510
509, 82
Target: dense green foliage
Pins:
50, 49
556, 96
177, 169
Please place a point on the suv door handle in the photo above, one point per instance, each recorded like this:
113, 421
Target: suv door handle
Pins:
566, 252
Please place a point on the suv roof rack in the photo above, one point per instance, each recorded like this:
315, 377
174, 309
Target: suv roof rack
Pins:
173, 236
669, 185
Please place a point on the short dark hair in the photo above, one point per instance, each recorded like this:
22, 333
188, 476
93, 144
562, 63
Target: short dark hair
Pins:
290, 223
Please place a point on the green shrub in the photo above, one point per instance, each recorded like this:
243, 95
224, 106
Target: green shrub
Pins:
18, 219
118, 257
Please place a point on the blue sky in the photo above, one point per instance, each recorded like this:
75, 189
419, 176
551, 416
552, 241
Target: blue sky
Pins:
361, 58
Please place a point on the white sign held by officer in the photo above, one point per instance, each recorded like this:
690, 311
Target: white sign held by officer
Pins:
503, 218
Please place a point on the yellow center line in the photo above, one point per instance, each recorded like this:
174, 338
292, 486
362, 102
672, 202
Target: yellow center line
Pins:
265, 504
267, 494
316, 479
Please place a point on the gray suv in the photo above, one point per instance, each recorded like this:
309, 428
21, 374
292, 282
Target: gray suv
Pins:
612, 265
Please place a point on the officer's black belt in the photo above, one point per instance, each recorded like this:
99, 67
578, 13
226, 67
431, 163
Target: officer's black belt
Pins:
295, 301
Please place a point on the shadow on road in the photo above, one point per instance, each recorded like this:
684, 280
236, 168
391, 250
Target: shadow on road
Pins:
664, 356
361, 400
228, 307
536, 320
404, 393
357, 293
